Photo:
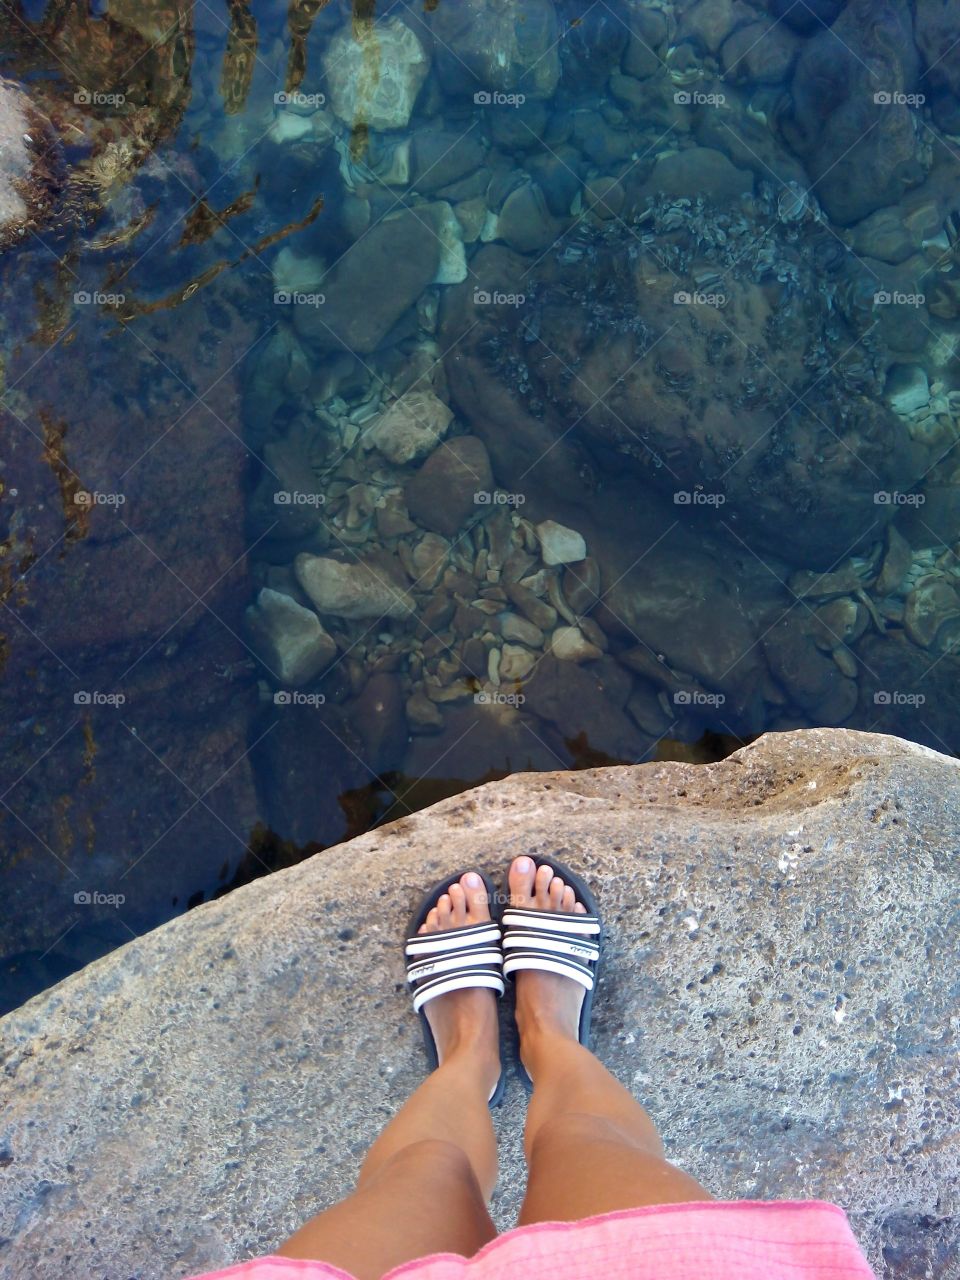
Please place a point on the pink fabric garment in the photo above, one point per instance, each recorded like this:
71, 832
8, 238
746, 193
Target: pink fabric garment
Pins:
699, 1240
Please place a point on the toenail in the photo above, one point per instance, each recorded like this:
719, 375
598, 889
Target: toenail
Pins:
524, 865
473, 880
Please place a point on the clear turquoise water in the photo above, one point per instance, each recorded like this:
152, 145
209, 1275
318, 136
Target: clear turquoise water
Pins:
679, 279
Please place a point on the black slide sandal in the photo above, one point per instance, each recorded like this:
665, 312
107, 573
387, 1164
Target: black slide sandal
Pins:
555, 941
453, 959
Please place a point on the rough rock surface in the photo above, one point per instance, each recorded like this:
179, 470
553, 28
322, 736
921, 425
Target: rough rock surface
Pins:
374, 73
779, 988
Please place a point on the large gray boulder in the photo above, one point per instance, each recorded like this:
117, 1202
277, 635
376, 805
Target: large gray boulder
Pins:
780, 989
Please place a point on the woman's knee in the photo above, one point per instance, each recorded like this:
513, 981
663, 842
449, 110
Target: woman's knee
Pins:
573, 1130
429, 1157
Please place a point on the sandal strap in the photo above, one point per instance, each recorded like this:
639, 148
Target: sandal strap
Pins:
553, 921
552, 942
454, 960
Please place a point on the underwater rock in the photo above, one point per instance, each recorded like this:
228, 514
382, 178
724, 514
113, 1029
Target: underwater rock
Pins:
423, 716
839, 622
581, 585
698, 171
935, 28
516, 662
429, 559
860, 146
440, 496
542, 615
896, 233
932, 614
569, 644
484, 48
354, 588
808, 17
439, 157
410, 428
374, 283
381, 721
585, 706
560, 545
604, 197
447, 228
908, 388
522, 630
374, 72
648, 31
288, 501
759, 54
898, 556
707, 23
525, 223
297, 273
16, 158
811, 678
288, 638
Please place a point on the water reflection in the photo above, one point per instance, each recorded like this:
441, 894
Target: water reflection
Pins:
397, 398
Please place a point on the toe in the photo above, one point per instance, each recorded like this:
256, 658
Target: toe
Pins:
459, 900
542, 888
521, 877
444, 911
431, 924
569, 900
580, 910
556, 893
478, 905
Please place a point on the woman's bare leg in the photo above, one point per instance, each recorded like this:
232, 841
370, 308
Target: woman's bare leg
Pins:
590, 1146
424, 1185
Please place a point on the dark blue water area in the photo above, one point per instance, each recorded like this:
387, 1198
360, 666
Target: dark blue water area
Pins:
397, 399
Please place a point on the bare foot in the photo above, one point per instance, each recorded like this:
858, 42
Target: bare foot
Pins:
464, 1022
547, 1003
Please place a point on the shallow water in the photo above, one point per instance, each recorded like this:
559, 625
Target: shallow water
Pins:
345, 309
